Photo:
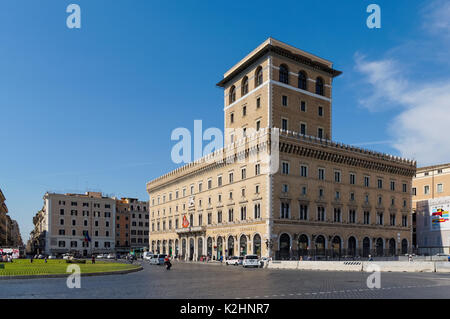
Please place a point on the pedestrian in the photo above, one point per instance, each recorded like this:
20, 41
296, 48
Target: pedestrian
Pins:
410, 258
45, 259
31, 259
370, 258
93, 259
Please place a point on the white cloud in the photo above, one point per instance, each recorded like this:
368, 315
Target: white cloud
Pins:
419, 131
437, 17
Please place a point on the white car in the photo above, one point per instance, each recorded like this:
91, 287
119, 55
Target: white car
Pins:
67, 256
147, 256
110, 256
52, 257
100, 256
251, 261
234, 260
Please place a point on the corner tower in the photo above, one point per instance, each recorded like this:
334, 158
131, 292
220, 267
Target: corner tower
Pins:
278, 85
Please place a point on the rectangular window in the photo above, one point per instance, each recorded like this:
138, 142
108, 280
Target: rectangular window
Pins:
258, 102
337, 176
380, 183
366, 181
440, 188
366, 218
257, 169
230, 177
352, 179
232, 118
303, 128
285, 168
285, 210
352, 216
219, 181
303, 106
392, 185
321, 213
303, 212
320, 132
284, 124
243, 173
321, 174
304, 171
258, 125
426, 189
230, 215
320, 111
244, 110
219, 216
284, 100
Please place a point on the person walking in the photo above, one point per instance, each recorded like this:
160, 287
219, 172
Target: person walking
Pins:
93, 259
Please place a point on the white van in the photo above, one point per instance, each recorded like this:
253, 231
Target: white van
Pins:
251, 261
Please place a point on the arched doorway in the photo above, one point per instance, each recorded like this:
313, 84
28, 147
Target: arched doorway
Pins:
170, 247
404, 246
366, 247
257, 245
285, 247
392, 247
320, 245
231, 246
158, 247
379, 247
200, 247
243, 246
177, 250
164, 247
336, 245
209, 247
351, 250
183, 248
219, 247
303, 244
191, 248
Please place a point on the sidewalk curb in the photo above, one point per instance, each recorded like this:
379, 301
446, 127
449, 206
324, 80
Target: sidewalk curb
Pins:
119, 272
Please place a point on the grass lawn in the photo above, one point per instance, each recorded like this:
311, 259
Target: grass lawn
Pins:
23, 267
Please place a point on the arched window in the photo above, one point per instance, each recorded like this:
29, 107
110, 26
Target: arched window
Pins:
231, 246
352, 246
302, 80
366, 247
244, 86
257, 245
232, 94
319, 86
258, 76
243, 245
285, 247
392, 247
379, 247
320, 244
284, 74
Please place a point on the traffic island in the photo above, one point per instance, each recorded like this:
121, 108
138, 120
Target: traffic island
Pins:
25, 269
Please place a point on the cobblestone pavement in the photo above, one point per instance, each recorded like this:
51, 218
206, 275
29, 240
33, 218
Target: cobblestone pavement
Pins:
196, 281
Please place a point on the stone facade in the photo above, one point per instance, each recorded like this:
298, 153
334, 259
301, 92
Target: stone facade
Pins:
321, 196
65, 219
132, 224
431, 188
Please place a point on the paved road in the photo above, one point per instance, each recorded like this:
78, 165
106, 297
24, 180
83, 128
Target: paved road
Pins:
196, 281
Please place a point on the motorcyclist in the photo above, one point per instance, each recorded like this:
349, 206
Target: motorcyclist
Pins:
167, 262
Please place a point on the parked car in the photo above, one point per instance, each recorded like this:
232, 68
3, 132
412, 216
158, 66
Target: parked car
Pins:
41, 257
158, 259
100, 256
110, 256
52, 257
147, 255
251, 261
233, 260
67, 256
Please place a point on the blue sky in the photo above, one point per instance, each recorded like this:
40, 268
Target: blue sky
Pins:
94, 108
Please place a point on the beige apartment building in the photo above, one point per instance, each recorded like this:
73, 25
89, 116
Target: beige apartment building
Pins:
132, 225
281, 187
431, 205
82, 224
